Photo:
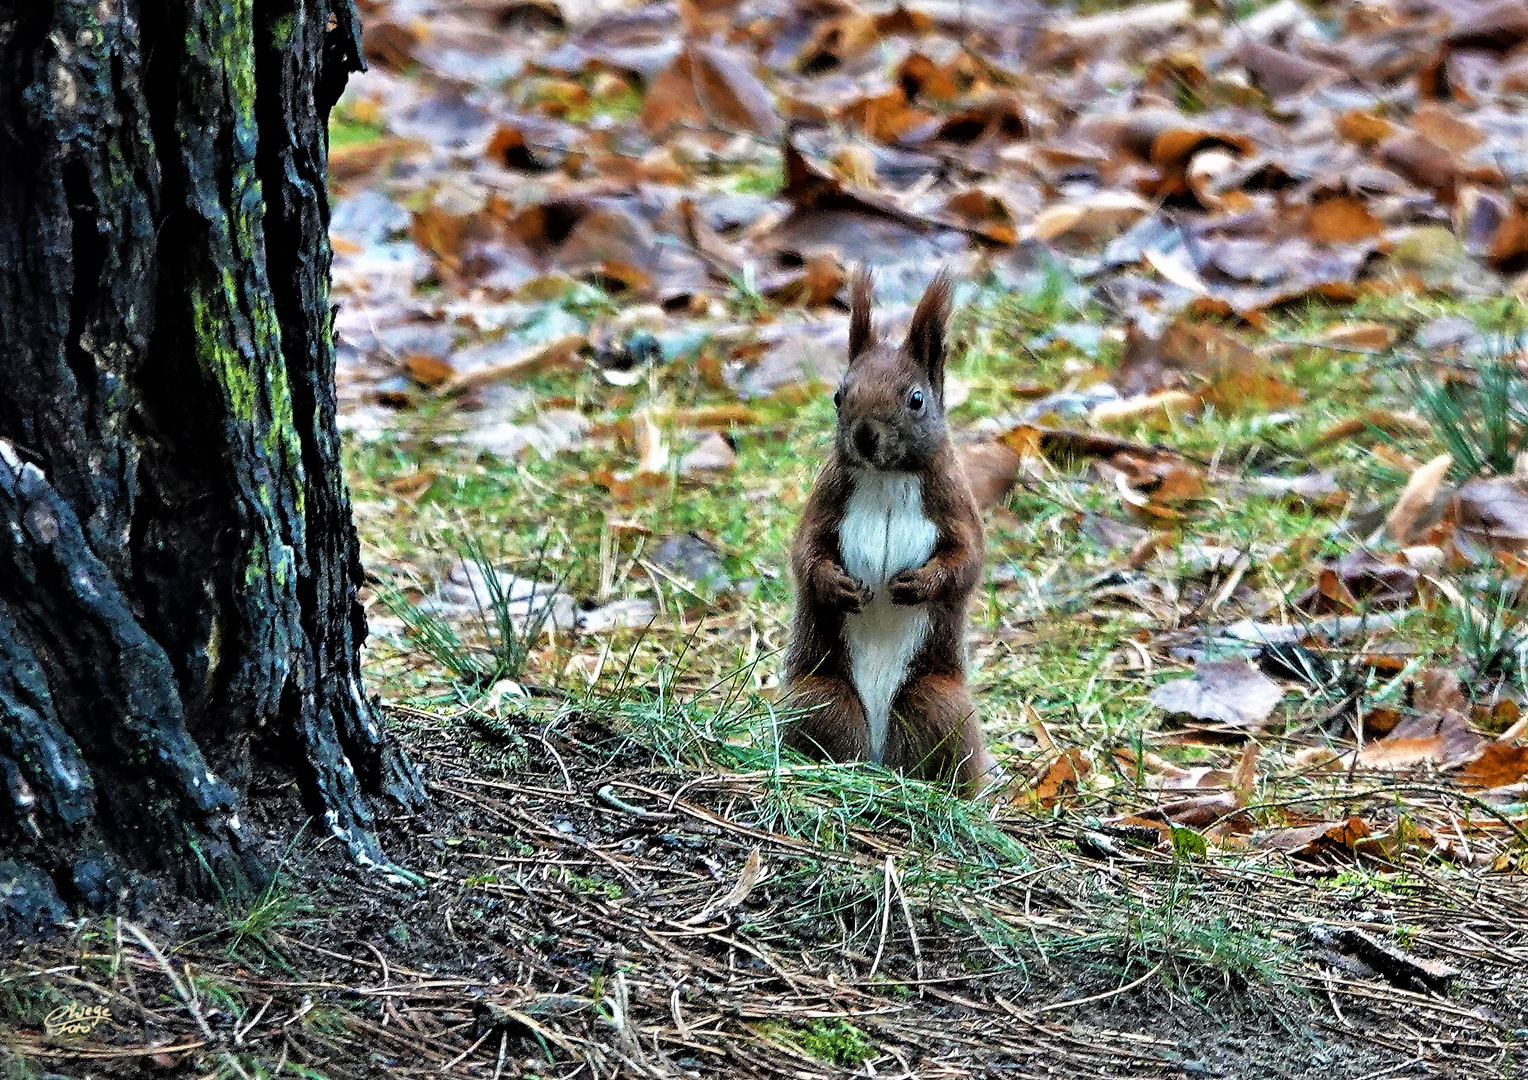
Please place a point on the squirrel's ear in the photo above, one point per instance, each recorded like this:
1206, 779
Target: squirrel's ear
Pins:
861, 333
926, 333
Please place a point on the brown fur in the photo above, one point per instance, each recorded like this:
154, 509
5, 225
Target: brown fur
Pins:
934, 732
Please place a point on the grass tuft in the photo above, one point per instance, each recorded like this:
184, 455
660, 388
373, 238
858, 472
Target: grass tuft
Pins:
835, 1041
507, 634
1489, 635
1481, 422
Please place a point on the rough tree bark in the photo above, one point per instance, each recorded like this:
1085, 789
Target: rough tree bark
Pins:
178, 564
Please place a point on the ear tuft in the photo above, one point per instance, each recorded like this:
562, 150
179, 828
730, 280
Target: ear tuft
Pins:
861, 333
926, 334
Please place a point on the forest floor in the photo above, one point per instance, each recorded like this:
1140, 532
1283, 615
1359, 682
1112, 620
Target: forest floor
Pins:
1249, 644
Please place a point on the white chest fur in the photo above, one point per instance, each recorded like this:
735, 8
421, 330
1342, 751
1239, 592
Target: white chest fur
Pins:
884, 532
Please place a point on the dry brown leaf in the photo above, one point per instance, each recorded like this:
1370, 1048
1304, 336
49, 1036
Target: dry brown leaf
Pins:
1342, 219
1437, 733
929, 79
1384, 420
985, 213
1324, 841
712, 456
536, 360
1089, 220
1497, 765
1218, 367
710, 85
1231, 694
810, 188
1439, 123
393, 45
816, 283
1364, 127
530, 144
715, 417
752, 873
1423, 161
428, 371
1415, 498
885, 116
990, 469
1244, 776
702, 18
1360, 581
1200, 811
1060, 780
1376, 337
1171, 404
837, 40
614, 243
1492, 513
993, 117
1067, 447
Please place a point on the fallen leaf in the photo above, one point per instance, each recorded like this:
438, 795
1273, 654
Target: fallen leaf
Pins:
712, 456
1498, 765
1324, 841
711, 85
1171, 404
536, 360
1229, 693
1089, 220
1381, 420
1059, 781
428, 371
1360, 580
1373, 336
1430, 737
1492, 513
1415, 498
748, 878
990, 469
1342, 219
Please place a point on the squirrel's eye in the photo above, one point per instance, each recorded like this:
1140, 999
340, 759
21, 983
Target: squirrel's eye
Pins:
915, 401
838, 398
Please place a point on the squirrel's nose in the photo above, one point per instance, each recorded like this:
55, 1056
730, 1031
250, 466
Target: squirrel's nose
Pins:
866, 440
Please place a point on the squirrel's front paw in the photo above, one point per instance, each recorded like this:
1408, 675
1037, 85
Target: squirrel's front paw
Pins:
910, 587
841, 591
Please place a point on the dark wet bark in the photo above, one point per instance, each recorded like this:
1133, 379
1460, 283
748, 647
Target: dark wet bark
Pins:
178, 564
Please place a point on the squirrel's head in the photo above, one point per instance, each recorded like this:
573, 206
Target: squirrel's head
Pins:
891, 402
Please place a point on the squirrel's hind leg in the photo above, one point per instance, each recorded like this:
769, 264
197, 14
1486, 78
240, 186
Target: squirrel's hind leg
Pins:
935, 734
832, 723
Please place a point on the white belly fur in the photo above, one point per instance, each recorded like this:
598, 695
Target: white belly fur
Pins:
884, 532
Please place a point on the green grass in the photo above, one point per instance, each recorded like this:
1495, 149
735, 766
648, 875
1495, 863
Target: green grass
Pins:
837, 1042
1187, 933
500, 643
1479, 420
348, 129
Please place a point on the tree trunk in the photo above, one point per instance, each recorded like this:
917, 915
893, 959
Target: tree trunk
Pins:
178, 564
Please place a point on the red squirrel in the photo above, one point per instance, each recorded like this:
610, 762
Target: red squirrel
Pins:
887, 555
